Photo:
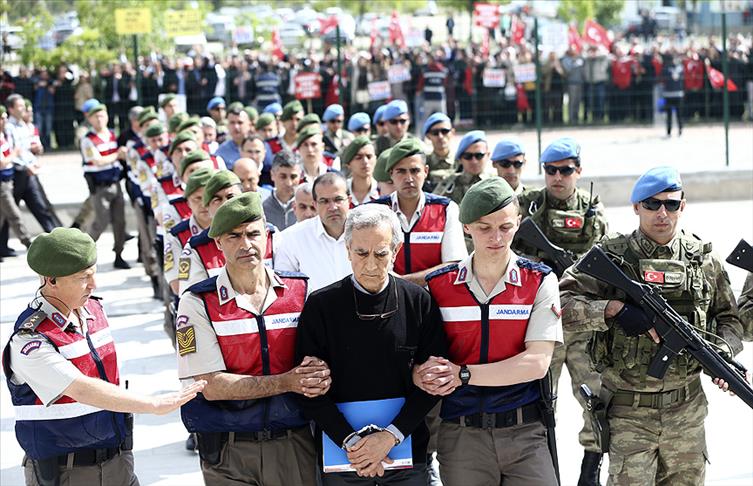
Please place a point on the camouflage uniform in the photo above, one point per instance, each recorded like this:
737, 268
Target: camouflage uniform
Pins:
657, 433
745, 307
575, 224
440, 168
383, 142
455, 186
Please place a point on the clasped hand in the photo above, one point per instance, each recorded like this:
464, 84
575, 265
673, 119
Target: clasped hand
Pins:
367, 455
311, 378
437, 376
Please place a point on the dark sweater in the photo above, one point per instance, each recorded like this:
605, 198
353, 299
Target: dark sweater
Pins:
371, 360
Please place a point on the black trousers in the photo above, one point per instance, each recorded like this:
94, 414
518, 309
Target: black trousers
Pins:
27, 187
669, 104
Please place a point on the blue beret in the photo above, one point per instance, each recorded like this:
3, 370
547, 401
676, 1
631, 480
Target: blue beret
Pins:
332, 112
394, 109
89, 104
561, 149
433, 120
506, 149
378, 114
469, 139
215, 102
656, 180
358, 121
274, 108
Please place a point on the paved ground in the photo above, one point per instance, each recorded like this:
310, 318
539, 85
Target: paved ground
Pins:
147, 361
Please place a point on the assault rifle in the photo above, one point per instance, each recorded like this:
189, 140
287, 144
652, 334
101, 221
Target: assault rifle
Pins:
742, 256
676, 333
530, 234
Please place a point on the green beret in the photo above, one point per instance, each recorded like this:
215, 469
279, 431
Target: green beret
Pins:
62, 252
310, 119
252, 113
234, 212
291, 109
264, 120
27, 103
146, 115
307, 132
167, 99
219, 181
175, 121
155, 130
188, 123
179, 139
485, 197
197, 180
347, 153
3, 111
96, 108
191, 158
404, 148
235, 106
380, 172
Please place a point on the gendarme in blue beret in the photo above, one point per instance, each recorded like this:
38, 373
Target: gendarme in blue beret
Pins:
215, 102
274, 108
506, 149
433, 120
655, 181
88, 105
561, 149
61, 252
485, 197
469, 139
379, 113
358, 121
332, 112
394, 109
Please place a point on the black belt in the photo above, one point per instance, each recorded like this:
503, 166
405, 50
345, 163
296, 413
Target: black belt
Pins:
657, 400
523, 415
262, 435
89, 457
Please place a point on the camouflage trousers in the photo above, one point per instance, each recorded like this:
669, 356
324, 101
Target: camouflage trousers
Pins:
658, 446
574, 354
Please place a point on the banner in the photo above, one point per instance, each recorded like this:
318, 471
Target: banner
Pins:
133, 21
494, 78
525, 73
183, 22
594, 33
243, 35
399, 73
308, 86
379, 90
486, 15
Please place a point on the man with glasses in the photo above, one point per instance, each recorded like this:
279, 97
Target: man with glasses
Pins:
360, 124
473, 156
372, 327
508, 158
438, 129
573, 219
657, 433
335, 138
292, 113
397, 120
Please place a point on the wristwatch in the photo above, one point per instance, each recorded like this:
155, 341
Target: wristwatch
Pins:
464, 375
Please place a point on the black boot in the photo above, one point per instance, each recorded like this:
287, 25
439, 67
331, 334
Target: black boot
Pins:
156, 289
120, 263
191, 444
590, 469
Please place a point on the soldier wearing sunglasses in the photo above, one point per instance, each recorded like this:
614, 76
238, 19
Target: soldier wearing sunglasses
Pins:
508, 158
438, 130
397, 121
472, 155
657, 432
573, 219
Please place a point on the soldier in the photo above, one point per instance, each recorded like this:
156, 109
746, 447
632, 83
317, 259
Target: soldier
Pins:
310, 145
266, 128
169, 105
72, 418
209, 131
657, 432
745, 307
237, 331
359, 158
473, 155
335, 138
383, 178
379, 124
438, 129
573, 219
292, 113
359, 124
216, 109
9, 210
508, 158
397, 121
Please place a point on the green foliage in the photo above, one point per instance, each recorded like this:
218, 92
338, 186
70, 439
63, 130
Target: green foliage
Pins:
605, 12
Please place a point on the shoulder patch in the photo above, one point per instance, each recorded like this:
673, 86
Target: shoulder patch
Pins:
33, 321
382, 200
435, 199
441, 271
535, 266
283, 274
208, 285
180, 227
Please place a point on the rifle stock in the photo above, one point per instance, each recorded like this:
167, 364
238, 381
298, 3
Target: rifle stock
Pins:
742, 256
530, 233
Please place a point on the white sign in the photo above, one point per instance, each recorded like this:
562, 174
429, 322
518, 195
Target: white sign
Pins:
379, 90
554, 38
243, 35
494, 78
525, 73
399, 73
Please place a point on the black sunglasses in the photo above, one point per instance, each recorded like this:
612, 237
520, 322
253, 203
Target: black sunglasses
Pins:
336, 121
398, 121
383, 315
362, 130
507, 163
565, 171
436, 132
653, 204
474, 155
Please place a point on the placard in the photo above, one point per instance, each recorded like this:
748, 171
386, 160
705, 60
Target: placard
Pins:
308, 86
379, 90
494, 78
399, 73
133, 21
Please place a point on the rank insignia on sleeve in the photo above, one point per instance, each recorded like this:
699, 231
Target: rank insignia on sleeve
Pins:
557, 312
169, 261
30, 346
186, 340
184, 268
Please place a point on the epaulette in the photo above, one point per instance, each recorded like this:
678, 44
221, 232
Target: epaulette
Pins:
31, 322
180, 227
206, 285
200, 239
535, 266
441, 271
284, 274
435, 199
615, 243
382, 200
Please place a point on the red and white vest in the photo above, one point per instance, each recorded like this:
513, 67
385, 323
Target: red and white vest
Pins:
104, 173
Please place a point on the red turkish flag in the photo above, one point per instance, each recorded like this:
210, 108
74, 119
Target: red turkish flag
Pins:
517, 30
573, 222
396, 32
593, 33
277, 44
373, 36
485, 43
653, 277
325, 25
573, 38
716, 78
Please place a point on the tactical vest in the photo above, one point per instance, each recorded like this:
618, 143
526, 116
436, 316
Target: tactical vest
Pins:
254, 345
681, 282
184, 231
212, 257
66, 425
486, 333
181, 207
275, 144
103, 174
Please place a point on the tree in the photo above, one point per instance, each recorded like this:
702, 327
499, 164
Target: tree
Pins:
606, 12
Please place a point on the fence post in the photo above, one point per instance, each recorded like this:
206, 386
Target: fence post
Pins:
725, 103
538, 86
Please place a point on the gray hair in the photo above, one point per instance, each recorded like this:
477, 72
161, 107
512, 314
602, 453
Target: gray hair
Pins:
207, 122
133, 113
371, 216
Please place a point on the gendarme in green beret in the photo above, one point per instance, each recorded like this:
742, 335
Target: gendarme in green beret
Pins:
166, 99
307, 132
252, 113
291, 109
404, 148
485, 197
96, 108
180, 138
264, 120
62, 252
347, 153
146, 115
235, 106
219, 181
188, 123
309, 119
155, 130
3, 111
236, 211
197, 180
174, 122
191, 158
380, 173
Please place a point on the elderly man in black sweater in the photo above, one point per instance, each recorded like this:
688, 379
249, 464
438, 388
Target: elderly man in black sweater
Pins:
371, 327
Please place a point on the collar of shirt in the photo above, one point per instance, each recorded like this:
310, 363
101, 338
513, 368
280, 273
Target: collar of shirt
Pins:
466, 276
322, 169
653, 249
519, 190
372, 195
226, 292
322, 233
569, 203
59, 319
193, 226
407, 225
285, 206
360, 288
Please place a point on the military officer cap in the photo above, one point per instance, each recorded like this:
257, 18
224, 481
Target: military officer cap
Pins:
655, 181
191, 158
88, 105
291, 109
561, 149
469, 139
433, 120
485, 197
62, 252
155, 130
350, 151
148, 114
96, 108
219, 181
404, 148
167, 99
308, 119
253, 113
380, 172
181, 138
506, 149
358, 121
264, 120
307, 132
394, 109
379, 113
174, 122
215, 102
197, 180
332, 112
273, 108
236, 211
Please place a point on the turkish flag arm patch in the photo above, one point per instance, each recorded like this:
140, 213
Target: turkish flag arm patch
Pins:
557, 312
